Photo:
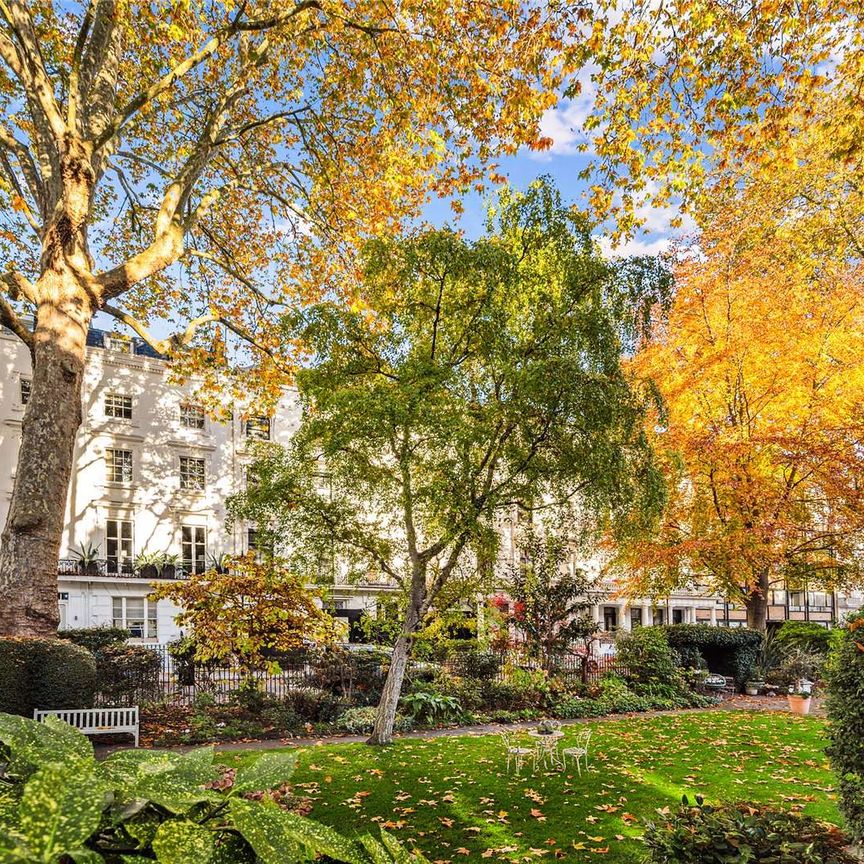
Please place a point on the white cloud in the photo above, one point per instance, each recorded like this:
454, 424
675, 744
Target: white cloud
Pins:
564, 123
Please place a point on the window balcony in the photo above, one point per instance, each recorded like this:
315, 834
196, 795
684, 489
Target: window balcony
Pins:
103, 568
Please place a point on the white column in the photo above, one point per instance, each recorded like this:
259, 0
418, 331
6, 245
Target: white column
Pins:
623, 616
713, 616
647, 614
595, 614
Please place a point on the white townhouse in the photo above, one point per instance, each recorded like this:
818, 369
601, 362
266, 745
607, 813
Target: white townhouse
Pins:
152, 474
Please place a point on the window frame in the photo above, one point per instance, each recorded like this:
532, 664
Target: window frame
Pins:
111, 466
256, 426
187, 477
192, 562
189, 411
149, 618
121, 411
122, 557
25, 383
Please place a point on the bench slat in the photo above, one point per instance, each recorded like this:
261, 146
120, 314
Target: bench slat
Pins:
95, 721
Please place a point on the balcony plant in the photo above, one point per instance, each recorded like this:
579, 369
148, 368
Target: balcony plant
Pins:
148, 564
170, 565
87, 555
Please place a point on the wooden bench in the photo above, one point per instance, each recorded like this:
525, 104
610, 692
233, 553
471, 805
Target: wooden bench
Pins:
96, 721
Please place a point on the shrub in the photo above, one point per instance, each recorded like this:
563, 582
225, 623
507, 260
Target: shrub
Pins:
60, 804
645, 652
360, 721
845, 678
355, 676
96, 638
128, 674
431, 707
702, 834
806, 635
313, 705
45, 673
727, 650
471, 661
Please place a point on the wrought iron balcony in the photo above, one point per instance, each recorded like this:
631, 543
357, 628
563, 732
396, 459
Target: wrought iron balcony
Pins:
113, 568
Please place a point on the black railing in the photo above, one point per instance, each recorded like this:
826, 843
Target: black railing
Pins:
108, 567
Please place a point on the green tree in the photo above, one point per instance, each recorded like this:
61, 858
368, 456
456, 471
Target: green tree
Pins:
550, 600
473, 375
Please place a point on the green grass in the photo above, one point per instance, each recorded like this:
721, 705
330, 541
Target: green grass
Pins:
452, 797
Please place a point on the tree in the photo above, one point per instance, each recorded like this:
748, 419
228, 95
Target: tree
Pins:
761, 366
249, 612
550, 600
674, 89
473, 375
207, 164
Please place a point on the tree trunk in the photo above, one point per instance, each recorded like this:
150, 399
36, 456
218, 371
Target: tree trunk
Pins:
34, 525
757, 604
385, 719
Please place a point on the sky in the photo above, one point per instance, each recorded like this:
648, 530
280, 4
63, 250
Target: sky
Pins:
563, 162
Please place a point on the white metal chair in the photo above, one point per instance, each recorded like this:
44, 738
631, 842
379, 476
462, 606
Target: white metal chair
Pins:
580, 751
515, 753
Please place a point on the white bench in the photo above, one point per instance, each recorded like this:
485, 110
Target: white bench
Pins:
96, 721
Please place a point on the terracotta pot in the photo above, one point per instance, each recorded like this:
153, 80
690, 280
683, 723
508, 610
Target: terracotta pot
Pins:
799, 704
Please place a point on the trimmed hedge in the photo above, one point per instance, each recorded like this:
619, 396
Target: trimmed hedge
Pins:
845, 705
726, 650
128, 674
45, 673
95, 638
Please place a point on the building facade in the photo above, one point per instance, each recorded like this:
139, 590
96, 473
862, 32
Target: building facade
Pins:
151, 477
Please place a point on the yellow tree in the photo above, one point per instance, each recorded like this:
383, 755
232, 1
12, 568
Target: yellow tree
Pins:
672, 84
208, 163
761, 366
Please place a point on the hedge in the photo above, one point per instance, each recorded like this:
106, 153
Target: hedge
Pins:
726, 650
845, 705
45, 673
95, 638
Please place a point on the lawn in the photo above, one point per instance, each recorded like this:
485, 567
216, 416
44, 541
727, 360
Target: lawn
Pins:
453, 798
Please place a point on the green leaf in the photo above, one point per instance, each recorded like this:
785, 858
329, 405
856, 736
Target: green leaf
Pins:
197, 765
183, 842
400, 854
60, 809
85, 856
268, 771
37, 743
375, 849
322, 839
261, 826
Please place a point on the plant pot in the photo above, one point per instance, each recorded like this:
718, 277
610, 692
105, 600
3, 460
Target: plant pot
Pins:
149, 571
169, 571
798, 704
752, 688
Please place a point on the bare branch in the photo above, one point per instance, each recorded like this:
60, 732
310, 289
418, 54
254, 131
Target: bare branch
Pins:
162, 346
28, 165
10, 319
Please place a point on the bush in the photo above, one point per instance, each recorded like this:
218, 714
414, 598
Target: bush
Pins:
313, 705
429, 706
742, 833
45, 673
61, 804
646, 654
845, 703
355, 676
128, 674
360, 721
471, 661
727, 650
806, 635
96, 638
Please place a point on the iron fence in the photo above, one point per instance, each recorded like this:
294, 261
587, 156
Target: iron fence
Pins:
181, 682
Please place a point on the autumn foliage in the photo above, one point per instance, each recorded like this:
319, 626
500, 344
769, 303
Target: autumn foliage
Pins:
761, 367
248, 612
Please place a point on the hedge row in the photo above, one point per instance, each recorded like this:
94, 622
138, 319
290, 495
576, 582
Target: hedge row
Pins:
726, 650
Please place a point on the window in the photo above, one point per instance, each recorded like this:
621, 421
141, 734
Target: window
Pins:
118, 545
635, 618
191, 473
193, 546
25, 385
118, 466
658, 618
258, 428
610, 619
137, 615
252, 539
191, 416
677, 616
119, 406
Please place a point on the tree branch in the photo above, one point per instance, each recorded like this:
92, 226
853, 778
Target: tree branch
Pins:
10, 319
162, 346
